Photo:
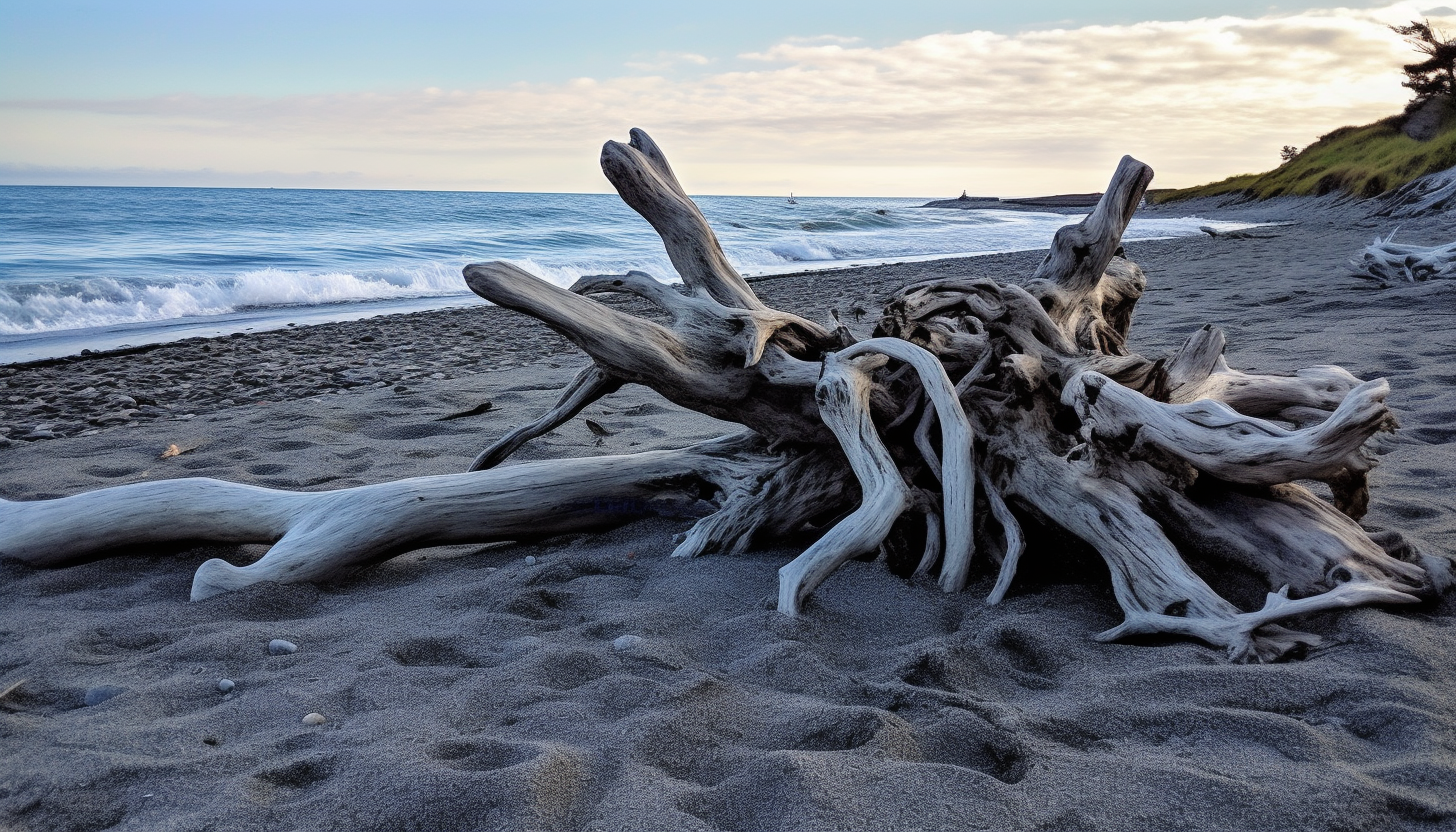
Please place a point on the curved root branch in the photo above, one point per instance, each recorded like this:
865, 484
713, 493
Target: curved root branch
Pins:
844, 402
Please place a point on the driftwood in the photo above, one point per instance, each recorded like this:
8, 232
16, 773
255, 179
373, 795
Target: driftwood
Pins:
1235, 233
1388, 261
1433, 193
977, 408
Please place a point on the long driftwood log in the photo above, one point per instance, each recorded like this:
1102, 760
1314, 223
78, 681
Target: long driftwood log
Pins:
976, 408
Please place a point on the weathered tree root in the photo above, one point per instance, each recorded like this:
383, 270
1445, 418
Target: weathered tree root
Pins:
1431, 194
318, 535
1388, 261
1043, 416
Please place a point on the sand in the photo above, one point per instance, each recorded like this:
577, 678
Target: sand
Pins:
490, 687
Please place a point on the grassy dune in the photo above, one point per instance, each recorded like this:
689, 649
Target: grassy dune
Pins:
1361, 161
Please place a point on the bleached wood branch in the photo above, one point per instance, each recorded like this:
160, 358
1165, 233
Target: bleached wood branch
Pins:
1430, 194
318, 535
1039, 404
1385, 259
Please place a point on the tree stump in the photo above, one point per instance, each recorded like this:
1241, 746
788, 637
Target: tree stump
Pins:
977, 407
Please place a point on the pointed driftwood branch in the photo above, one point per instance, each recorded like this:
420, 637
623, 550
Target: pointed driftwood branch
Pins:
977, 408
589, 385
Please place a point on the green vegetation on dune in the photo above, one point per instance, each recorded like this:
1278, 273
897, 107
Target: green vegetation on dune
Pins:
1361, 161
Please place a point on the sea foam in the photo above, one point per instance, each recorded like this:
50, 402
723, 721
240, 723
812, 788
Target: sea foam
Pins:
99, 302
78, 259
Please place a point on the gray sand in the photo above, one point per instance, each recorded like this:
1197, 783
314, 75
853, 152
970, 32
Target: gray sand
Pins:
466, 689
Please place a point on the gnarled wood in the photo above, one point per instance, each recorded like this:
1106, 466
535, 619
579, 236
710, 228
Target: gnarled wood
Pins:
1164, 466
1430, 194
716, 360
589, 385
1077, 261
1386, 260
844, 398
318, 535
640, 173
1215, 439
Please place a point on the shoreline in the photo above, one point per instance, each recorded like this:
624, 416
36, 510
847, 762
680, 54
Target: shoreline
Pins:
491, 687
82, 394
26, 348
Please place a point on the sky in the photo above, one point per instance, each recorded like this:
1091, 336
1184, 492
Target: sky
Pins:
841, 98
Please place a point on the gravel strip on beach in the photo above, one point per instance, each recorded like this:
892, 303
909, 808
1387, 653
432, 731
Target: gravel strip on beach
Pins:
71, 396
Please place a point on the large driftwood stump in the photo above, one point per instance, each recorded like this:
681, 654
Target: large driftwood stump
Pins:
977, 407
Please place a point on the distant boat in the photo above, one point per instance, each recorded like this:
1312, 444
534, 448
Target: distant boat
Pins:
792, 201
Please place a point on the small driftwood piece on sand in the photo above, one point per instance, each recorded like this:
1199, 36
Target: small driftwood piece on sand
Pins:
977, 408
1391, 262
1235, 233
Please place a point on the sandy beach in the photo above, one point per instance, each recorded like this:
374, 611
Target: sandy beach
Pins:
592, 683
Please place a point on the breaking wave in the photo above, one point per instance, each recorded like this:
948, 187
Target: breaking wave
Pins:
85, 258
98, 302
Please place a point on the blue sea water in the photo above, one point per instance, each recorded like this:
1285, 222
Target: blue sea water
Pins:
104, 267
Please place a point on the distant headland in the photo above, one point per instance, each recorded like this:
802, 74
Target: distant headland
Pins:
981, 202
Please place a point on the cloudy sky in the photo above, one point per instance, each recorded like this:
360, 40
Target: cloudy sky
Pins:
750, 97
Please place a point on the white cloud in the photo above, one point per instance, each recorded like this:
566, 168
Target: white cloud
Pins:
1033, 112
664, 61
812, 40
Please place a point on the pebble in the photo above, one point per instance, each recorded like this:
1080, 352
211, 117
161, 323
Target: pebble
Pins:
626, 642
280, 647
119, 417
101, 693
530, 560
225, 685
314, 719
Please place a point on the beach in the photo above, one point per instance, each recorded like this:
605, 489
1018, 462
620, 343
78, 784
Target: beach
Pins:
591, 682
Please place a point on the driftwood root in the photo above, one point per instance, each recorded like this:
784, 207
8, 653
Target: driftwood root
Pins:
976, 408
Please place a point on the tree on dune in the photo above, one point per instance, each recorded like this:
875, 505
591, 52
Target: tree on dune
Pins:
1436, 75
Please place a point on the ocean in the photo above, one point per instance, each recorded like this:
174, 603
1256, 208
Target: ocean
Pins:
101, 268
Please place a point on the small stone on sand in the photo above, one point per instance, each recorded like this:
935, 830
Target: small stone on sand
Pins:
281, 647
225, 685
530, 560
100, 693
314, 719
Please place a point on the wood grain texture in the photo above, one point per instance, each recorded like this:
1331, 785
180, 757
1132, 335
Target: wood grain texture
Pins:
979, 409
